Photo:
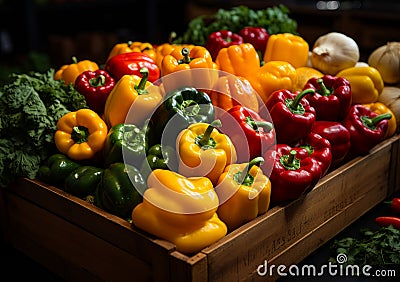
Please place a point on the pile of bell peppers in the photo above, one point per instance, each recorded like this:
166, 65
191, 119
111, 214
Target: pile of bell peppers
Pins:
189, 164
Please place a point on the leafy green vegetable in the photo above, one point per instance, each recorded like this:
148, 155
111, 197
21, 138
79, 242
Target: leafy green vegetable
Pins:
380, 247
30, 106
274, 19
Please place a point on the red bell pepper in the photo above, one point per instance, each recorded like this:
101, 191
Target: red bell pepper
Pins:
294, 172
318, 148
95, 86
332, 98
366, 128
249, 132
131, 63
221, 39
337, 135
257, 36
385, 221
293, 117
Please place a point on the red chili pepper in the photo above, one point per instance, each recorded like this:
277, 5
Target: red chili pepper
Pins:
366, 128
293, 117
131, 63
337, 135
395, 205
95, 86
385, 221
294, 172
332, 98
257, 36
318, 148
221, 39
249, 132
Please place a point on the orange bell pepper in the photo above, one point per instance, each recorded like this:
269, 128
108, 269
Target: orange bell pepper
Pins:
273, 76
69, 73
287, 47
381, 108
127, 47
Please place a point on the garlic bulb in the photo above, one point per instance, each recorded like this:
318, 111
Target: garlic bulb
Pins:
334, 52
390, 96
386, 59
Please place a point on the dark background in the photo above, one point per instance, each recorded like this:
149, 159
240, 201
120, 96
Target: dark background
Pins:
42, 33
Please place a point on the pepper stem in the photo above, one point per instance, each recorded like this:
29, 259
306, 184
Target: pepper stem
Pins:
266, 125
297, 99
186, 59
290, 162
324, 91
79, 134
243, 177
372, 122
206, 141
97, 81
140, 88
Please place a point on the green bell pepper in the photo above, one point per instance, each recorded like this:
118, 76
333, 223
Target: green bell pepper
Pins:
56, 169
120, 189
83, 181
180, 108
158, 156
125, 143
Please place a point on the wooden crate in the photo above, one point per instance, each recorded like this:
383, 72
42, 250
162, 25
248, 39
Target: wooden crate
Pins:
81, 242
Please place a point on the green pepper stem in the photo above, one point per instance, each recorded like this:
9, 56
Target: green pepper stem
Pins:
74, 60
140, 88
297, 99
243, 177
324, 90
372, 122
97, 81
186, 59
290, 161
79, 134
205, 139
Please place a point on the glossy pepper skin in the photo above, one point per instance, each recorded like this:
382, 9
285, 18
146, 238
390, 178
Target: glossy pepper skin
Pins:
56, 168
366, 83
366, 129
332, 97
381, 108
204, 151
386, 221
221, 39
395, 205
120, 189
125, 143
183, 106
81, 134
292, 115
68, 73
181, 210
159, 157
95, 86
337, 135
131, 63
249, 132
132, 100
257, 36
294, 172
244, 192
317, 148
83, 181
283, 46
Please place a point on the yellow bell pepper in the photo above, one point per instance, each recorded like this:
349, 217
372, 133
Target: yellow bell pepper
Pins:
69, 73
240, 60
303, 74
273, 76
381, 108
132, 100
244, 193
181, 210
204, 151
287, 47
167, 49
195, 58
80, 135
366, 83
142, 47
